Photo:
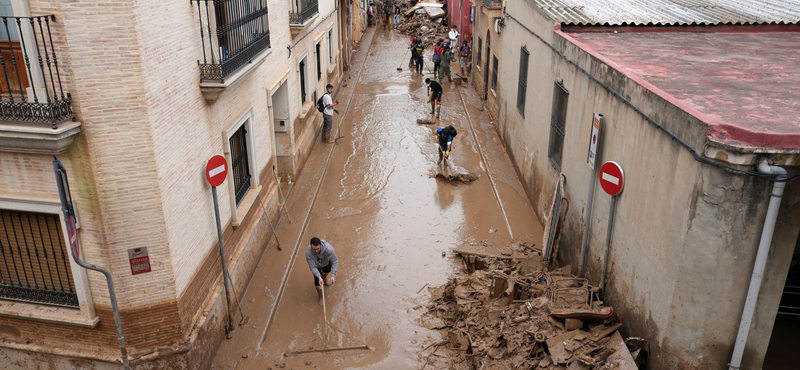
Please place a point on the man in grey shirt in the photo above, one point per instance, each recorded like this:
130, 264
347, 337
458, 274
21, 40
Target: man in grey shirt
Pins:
323, 261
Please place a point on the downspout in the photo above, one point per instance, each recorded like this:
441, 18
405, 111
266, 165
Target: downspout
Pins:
761, 261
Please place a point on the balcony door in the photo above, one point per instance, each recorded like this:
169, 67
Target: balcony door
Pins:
12, 54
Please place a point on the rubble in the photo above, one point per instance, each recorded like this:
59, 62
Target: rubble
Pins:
429, 30
507, 310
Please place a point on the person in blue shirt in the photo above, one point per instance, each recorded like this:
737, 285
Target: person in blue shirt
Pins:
444, 136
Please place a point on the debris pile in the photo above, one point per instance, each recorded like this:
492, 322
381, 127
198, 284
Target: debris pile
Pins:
509, 312
429, 30
453, 174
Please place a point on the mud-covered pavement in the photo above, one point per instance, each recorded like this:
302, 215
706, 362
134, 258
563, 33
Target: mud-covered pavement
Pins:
376, 198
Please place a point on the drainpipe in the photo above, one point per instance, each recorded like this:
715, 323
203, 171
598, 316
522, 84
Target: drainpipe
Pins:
761, 261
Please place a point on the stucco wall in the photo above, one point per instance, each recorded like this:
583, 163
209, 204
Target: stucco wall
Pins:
685, 234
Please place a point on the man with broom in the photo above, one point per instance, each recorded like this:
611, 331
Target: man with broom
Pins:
435, 96
444, 136
323, 261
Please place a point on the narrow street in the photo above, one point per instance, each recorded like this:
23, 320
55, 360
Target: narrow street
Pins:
373, 196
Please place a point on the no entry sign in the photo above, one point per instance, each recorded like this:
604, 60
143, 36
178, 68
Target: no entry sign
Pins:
216, 170
612, 178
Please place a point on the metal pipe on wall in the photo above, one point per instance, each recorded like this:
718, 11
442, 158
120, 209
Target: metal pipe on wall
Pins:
761, 262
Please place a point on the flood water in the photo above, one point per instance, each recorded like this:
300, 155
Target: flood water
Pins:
374, 197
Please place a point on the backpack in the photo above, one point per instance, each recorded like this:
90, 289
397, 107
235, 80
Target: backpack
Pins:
436, 57
453, 131
320, 105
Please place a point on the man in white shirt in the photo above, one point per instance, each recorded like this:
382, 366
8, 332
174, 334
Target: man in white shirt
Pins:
327, 114
453, 40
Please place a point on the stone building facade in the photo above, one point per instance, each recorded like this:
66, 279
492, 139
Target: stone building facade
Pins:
153, 89
487, 53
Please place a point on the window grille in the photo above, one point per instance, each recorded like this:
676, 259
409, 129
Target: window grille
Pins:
303, 11
303, 81
494, 73
319, 62
34, 265
330, 46
242, 31
240, 163
523, 80
558, 124
480, 50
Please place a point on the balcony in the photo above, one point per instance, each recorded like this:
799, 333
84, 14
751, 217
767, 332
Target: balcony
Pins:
302, 14
233, 33
493, 8
31, 91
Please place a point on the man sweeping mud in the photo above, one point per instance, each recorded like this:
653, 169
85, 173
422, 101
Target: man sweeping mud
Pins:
434, 96
445, 137
323, 261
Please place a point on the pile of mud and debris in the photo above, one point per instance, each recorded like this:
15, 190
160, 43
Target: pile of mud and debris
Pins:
510, 312
425, 23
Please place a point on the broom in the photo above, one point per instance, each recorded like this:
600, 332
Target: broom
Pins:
401, 61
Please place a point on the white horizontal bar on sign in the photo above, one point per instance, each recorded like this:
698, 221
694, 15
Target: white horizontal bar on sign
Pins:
612, 179
216, 171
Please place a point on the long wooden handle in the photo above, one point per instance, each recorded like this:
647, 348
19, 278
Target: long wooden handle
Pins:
324, 312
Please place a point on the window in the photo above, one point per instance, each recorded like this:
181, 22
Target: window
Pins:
303, 81
523, 80
34, 262
480, 49
330, 46
319, 63
240, 164
557, 124
494, 73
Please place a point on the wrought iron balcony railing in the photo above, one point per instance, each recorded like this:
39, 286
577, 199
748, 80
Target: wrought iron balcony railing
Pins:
304, 10
493, 4
240, 32
30, 86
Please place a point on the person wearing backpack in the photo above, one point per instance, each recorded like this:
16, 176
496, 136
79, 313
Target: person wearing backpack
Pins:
463, 59
444, 136
444, 65
325, 105
437, 56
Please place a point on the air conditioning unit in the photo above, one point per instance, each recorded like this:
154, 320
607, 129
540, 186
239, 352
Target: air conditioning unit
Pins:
281, 124
498, 24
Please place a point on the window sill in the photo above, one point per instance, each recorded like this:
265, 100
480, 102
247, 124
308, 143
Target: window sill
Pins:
331, 68
244, 206
306, 109
50, 314
37, 138
213, 90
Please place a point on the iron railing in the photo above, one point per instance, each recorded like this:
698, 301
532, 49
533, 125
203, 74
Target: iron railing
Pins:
558, 124
303, 11
492, 4
240, 32
30, 86
34, 266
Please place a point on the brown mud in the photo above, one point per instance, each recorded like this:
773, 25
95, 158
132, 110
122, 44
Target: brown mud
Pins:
372, 197
453, 174
508, 311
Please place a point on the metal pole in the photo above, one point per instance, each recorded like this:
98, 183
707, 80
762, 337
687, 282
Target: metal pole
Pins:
68, 211
608, 239
225, 276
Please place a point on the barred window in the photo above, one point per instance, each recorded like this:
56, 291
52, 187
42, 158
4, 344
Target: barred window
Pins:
34, 260
303, 96
494, 73
558, 120
480, 50
523, 80
319, 62
240, 164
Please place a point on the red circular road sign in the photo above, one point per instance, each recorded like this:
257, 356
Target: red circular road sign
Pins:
612, 178
216, 170
73, 237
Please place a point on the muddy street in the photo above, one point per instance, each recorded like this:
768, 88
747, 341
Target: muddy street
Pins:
392, 215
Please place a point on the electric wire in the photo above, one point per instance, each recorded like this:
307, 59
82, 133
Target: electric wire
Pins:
697, 157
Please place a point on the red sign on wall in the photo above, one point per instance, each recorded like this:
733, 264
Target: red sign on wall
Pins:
140, 261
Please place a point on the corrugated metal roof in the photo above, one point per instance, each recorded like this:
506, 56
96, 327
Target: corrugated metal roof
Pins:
671, 12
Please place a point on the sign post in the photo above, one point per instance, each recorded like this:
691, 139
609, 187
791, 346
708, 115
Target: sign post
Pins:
216, 173
597, 120
612, 180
